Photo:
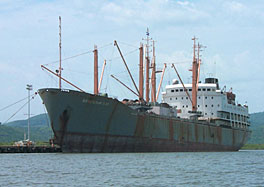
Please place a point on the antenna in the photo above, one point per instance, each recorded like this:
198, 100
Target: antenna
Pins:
60, 52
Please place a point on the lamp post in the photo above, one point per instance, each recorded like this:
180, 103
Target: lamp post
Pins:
29, 88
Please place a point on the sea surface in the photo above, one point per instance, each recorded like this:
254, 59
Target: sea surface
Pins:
243, 168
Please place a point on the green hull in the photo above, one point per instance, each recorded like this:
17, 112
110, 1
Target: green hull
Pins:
83, 122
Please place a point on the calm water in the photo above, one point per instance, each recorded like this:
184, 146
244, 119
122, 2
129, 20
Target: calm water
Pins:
244, 168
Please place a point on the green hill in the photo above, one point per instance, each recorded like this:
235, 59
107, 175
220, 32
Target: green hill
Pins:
40, 129
38, 120
257, 127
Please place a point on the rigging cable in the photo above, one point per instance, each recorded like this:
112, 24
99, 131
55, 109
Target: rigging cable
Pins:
15, 103
19, 109
74, 56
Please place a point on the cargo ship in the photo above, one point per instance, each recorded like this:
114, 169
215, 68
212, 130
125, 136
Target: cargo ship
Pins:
190, 117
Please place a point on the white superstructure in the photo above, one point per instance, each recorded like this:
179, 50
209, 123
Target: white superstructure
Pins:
213, 103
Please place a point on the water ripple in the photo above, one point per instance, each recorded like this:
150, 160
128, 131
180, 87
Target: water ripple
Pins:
243, 168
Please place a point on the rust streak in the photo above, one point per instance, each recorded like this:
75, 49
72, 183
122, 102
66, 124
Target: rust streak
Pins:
108, 126
64, 118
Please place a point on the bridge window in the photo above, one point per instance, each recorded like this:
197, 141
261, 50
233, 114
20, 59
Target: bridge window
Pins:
212, 114
212, 105
186, 97
176, 90
199, 97
190, 90
205, 97
212, 97
172, 90
208, 89
198, 105
181, 90
204, 89
199, 89
182, 97
176, 98
205, 105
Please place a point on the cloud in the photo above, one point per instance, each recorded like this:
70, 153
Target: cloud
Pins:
235, 7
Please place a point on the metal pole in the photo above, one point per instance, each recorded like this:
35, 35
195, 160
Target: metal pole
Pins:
153, 76
60, 52
95, 70
124, 85
163, 71
102, 74
42, 66
194, 78
141, 74
115, 43
185, 89
29, 88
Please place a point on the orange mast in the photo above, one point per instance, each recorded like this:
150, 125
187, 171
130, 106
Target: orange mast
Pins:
141, 81
153, 76
194, 78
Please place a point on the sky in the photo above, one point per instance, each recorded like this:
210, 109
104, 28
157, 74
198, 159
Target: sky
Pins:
232, 32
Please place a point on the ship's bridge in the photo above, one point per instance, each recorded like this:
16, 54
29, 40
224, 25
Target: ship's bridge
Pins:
212, 102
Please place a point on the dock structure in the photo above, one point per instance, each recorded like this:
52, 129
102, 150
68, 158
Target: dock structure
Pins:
29, 149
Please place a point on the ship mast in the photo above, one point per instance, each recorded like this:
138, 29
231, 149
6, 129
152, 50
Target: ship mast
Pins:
95, 70
153, 76
194, 77
147, 65
60, 52
141, 74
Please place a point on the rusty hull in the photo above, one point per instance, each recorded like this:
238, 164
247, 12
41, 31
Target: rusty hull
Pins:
84, 122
